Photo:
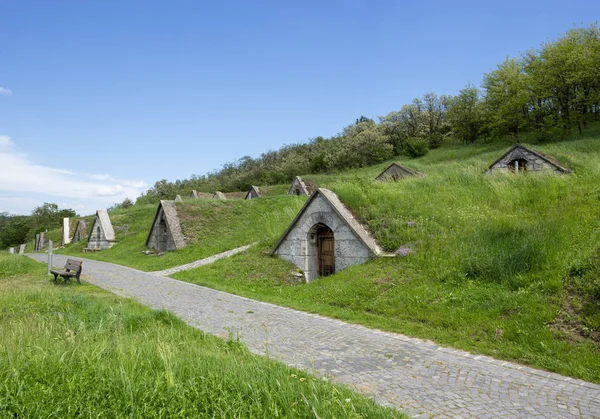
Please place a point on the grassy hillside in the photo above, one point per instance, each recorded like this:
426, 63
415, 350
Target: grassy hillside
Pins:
490, 260
73, 351
500, 264
211, 226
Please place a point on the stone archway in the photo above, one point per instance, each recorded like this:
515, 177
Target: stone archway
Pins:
517, 165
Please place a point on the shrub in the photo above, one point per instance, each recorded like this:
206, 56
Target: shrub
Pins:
416, 147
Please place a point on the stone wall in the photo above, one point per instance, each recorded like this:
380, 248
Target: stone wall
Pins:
299, 246
394, 172
535, 163
160, 238
98, 238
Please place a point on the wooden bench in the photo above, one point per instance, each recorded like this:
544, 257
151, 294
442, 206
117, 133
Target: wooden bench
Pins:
72, 269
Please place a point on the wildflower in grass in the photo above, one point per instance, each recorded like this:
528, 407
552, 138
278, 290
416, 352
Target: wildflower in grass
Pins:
403, 251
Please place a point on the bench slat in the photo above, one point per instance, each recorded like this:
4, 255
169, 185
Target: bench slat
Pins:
64, 273
72, 269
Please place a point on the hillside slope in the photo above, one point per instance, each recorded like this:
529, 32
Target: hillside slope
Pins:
486, 257
211, 226
499, 264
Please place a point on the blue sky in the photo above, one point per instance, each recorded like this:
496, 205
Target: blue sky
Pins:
100, 99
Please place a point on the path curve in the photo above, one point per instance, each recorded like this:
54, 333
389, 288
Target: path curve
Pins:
417, 376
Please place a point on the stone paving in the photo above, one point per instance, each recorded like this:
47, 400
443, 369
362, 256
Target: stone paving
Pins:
414, 375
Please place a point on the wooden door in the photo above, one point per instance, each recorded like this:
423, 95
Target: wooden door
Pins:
326, 251
162, 236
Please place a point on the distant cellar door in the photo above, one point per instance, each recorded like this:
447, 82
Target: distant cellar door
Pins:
162, 236
326, 251
98, 235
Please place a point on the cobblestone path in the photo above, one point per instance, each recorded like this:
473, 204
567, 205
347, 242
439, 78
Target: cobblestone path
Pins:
416, 376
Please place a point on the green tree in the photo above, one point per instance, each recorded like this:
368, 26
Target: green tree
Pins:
49, 216
466, 114
436, 127
507, 98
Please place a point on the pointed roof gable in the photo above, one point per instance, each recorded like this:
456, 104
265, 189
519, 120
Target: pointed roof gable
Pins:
517, 152
338, 207
298, 184
80, 228
395, 169
170, 210
253, 192
178, 198
219, 195
194, 194
105, 224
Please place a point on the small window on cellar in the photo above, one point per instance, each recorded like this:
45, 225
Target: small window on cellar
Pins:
518, 165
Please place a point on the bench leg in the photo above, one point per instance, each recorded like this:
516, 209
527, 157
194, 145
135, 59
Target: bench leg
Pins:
55, 277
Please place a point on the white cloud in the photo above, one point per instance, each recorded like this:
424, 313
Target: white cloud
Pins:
5, 92
104, 176
138, 184
5, 143
19, 173
110, 190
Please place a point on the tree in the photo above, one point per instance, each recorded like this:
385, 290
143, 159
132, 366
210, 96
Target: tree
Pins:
14, 231
359, 145
466, 114
434, 110
507, 98
49, 216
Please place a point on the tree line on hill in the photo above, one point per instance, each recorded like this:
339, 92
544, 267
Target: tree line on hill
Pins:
549, 93
18, 229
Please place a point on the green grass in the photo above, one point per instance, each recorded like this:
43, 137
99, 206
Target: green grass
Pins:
79, 351
498, 264
489, 263
211, 226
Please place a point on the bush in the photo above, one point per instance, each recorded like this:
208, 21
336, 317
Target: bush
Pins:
435, 140
416, 147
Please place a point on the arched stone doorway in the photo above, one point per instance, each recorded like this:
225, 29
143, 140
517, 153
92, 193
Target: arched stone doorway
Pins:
325, 251
321, 252
517, 165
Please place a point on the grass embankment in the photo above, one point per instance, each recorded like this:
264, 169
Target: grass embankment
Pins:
211, 226
80, 351
495, 264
